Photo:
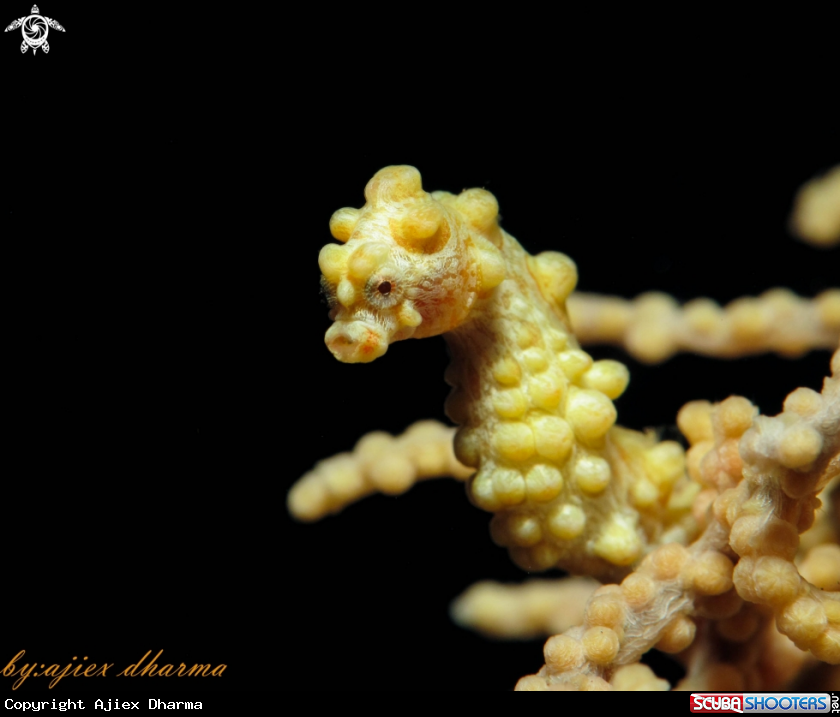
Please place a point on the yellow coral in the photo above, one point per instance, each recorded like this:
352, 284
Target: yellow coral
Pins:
568, 487
540, 434
816, 216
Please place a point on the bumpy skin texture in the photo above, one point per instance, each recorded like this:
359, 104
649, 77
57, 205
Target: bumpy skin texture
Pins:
568, 488
703, 544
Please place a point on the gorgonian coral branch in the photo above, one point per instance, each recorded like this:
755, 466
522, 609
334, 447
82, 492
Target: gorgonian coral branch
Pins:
653, 327
701, 545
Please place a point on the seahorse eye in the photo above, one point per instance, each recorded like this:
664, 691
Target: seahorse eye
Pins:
382, 291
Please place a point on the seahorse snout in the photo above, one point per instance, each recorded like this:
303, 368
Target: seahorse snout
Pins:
356, 341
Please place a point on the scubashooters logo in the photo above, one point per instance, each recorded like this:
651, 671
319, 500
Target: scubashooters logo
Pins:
35, 28
760, 702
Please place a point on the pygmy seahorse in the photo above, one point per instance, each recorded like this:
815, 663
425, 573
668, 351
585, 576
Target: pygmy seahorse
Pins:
568, 487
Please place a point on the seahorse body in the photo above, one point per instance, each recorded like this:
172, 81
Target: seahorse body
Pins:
568, 487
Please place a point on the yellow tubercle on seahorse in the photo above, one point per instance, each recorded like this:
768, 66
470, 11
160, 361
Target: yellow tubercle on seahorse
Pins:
568, 487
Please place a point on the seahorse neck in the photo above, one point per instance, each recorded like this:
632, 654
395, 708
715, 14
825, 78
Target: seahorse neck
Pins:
537, 422
512, 334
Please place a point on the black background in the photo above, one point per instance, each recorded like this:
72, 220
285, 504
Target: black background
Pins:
168, 183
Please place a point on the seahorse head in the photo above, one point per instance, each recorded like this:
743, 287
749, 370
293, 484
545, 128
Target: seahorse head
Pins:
411, 264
